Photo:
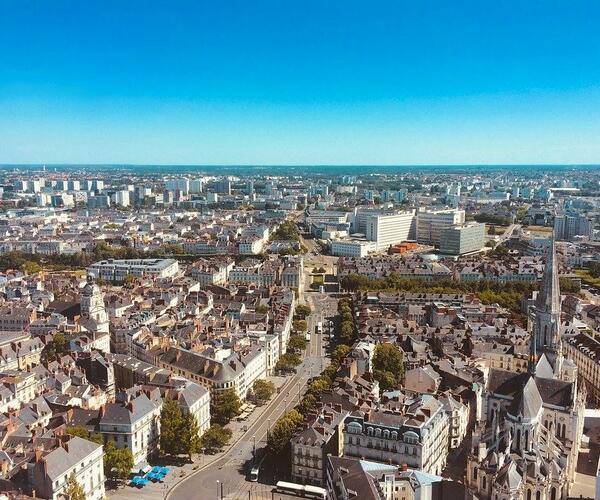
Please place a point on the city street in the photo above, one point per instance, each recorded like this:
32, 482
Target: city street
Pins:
231, 470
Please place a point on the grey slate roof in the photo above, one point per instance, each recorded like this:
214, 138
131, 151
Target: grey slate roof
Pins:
60, 460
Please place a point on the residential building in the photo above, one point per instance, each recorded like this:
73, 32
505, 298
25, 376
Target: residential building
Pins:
417, 435
133, 423
49, 474
322, 435
571, 224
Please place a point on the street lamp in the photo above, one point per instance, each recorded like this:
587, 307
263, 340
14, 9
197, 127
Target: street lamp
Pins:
218, 489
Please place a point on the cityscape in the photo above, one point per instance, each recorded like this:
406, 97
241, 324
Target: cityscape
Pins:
268, 250
420, 334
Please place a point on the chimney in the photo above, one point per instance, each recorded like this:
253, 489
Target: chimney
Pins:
404, 467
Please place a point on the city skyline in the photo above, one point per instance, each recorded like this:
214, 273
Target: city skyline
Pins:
393, 84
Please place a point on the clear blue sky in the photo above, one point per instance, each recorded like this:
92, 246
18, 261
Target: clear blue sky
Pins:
278, 82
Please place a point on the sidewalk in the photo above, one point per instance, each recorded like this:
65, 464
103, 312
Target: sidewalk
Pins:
155, 491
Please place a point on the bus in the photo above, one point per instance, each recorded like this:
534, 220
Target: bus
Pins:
319, 327
301, 490
254, 473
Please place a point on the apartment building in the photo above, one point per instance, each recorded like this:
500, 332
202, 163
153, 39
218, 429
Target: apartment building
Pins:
256, 273
238, 370
321, 435
78, 457
416, 436
212, 272
134, 424
571, 224
16, 319
352, 248
584, 350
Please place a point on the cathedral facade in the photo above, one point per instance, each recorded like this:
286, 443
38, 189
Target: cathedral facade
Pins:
527, 442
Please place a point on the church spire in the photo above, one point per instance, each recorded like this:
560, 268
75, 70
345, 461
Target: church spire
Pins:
548, 299
546, 326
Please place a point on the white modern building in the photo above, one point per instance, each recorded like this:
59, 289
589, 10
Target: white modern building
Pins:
390, 228
431, 224
352, 248
115, 270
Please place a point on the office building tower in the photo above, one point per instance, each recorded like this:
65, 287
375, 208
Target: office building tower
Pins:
461, 239
387, 229
431, 224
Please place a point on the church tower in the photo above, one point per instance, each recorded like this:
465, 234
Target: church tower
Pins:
546, 326
93, 312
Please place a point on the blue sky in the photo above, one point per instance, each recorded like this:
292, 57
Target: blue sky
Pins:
305, 82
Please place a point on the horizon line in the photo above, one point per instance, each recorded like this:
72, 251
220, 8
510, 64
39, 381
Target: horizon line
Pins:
266, 165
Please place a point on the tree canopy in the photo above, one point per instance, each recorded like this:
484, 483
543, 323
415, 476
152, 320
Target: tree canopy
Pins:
302, 311
170, 426
297, 343
215, 438
226, 406
179, 433
283, 430
82, 432
118, 462
74, 491
388, 366
263, 390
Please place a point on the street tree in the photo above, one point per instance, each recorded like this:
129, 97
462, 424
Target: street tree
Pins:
227, 406
215, 438
73, 490
297, 343
263, 390
299, 325
170, 428
340, 353
302, 311
282, 432
190, 440
118, 462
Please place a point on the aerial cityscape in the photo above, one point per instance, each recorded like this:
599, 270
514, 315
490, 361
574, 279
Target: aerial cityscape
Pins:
276, 250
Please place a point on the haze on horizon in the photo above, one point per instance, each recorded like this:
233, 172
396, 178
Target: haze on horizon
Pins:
311, 82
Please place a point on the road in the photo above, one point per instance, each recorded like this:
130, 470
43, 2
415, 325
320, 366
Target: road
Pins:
507, 234
231, 469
